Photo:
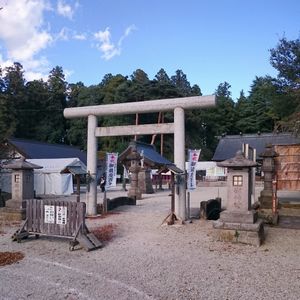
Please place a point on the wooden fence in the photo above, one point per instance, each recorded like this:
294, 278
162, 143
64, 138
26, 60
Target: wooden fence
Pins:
288, 167
59, 219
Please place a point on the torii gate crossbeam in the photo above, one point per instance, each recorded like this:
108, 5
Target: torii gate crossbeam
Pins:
178, 105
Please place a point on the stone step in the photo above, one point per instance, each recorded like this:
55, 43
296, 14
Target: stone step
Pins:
291, 222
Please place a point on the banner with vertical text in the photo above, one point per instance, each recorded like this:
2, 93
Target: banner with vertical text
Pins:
111, 170
192, 162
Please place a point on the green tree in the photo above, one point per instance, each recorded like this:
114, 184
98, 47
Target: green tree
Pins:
181, 82
7, 112
14, 83
36, 109
245, 115
261, 99
285, 58
54, 126
224, 110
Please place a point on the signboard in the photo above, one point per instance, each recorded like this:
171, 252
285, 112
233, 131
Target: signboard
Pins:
111, 170
61, 215
192, 161
49, 214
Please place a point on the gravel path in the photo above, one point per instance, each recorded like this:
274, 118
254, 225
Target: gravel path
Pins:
148, 261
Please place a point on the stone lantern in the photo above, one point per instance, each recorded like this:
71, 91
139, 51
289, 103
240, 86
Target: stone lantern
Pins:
22, 186
238, 222
268, 168
134, 190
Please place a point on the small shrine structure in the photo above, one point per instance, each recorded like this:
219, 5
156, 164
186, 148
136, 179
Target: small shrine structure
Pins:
239, 223
140, 158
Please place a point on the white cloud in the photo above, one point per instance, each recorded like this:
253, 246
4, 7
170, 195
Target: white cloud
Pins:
63, 34
79, 36
68, 73
23, 34
30, 76
66, 10
106, 46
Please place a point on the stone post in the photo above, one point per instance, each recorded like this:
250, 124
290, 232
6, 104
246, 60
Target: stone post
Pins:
145, 182
179, 160
92, 166
268, 168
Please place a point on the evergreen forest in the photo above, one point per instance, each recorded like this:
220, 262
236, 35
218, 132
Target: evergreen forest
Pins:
34, 109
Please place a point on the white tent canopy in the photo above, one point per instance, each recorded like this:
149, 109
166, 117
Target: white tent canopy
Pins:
211, 168
49, 179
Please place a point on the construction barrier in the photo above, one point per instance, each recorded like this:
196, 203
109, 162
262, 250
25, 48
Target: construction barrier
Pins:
57, 218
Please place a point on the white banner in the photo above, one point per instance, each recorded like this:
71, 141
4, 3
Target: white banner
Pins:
111, 170
193, 158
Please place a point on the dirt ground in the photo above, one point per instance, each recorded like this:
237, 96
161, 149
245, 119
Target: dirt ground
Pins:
145, 260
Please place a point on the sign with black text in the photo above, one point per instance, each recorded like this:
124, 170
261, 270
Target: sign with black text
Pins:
111, 170
192, 162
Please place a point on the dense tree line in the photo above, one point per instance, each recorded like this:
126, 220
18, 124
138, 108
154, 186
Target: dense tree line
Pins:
34, 109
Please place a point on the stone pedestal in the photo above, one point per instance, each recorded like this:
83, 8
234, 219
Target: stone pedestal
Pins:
246, 233
145, 182
13, 211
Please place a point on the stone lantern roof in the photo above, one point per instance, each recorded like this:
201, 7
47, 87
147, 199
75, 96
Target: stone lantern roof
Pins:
269, 152
239, 161
21, 164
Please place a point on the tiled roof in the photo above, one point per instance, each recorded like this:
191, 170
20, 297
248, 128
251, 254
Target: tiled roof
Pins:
36, 150
230, 144
149, 153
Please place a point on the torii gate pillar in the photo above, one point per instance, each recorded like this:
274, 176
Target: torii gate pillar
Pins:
92, 165
179, 160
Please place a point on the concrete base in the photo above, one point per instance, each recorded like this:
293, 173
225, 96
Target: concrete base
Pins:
10, 214
251, 234
14, 210
249, 217
15, 204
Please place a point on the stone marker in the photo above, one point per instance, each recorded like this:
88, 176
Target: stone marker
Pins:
237, 223
22, 189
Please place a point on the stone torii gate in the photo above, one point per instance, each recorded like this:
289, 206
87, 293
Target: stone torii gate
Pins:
178, 105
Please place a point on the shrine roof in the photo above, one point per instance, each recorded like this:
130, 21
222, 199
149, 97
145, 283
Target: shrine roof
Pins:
151, 156
228, 145
36, 150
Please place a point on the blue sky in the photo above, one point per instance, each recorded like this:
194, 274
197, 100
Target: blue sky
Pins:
212, 41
